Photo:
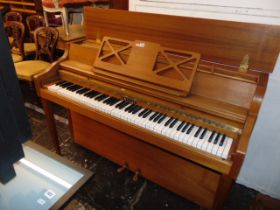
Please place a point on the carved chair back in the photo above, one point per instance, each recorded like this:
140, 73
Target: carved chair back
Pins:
33, 22
16, 30
45, 40
12, 16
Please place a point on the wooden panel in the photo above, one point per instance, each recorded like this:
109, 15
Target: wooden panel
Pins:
188, 179
224, 89
220, 41
119, 4
24, 6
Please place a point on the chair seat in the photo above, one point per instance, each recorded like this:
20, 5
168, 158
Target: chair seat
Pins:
10, 39
29, 48
16, 58
27, 69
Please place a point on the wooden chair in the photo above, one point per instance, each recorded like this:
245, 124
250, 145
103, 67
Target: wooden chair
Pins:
12, 16
33, 22
15, 31
65, 7
45, 40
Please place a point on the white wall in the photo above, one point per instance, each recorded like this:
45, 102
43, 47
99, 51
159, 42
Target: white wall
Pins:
257, 11
261, 168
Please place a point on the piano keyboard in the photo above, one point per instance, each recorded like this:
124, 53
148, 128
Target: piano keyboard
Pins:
181, 131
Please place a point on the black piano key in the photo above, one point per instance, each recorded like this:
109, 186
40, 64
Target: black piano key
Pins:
217, 138
132, 108
120, 104
83, 90
157, 117
127, 108
222, 140
168, 121
88, 93
92, 94
153, 116
107, 100
73, 87
69, 86
101, 97
95, 95
197, 132
161, 119
78, 87
124, 105
143, 112
181, 126
173, 123
211, 136
185, 127
114, 102
66, 84
60, 82
190, 129
136, 110
203, 133
147, 113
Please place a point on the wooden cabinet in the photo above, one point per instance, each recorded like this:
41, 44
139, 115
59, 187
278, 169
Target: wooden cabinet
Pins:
26, 7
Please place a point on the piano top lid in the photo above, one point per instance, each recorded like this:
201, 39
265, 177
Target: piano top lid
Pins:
164, 69
223, 42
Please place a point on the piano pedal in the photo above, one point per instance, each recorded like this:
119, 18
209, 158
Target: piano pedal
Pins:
136, 175
122, 168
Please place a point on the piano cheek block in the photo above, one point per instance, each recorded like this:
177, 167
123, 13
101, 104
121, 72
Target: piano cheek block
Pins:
147, 160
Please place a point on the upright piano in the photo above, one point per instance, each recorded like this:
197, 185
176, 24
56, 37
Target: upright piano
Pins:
173, 99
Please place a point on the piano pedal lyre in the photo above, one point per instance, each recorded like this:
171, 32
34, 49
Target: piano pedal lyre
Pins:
122, 168
136, 175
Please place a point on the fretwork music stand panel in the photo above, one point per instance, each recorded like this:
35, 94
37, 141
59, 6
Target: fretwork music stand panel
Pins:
148, 62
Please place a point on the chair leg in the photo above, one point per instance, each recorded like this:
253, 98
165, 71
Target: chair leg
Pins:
46, 18
65, 21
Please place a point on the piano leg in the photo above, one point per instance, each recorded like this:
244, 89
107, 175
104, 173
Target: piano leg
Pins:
48, 109
222, 193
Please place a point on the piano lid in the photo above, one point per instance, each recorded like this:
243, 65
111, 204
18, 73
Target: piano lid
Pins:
163, 69
223, 42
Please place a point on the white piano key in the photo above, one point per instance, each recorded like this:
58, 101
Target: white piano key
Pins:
174, 129
205, 142
172, 133
196, 139
210, 144
191, 135
227, 147
216, 146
